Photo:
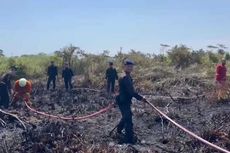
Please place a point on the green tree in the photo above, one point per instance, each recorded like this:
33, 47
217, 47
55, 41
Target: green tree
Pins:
67, 53
213, 57
196, 56
180, 56
227, 56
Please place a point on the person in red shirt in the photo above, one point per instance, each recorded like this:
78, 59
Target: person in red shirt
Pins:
221, 78
22, 90
221, 72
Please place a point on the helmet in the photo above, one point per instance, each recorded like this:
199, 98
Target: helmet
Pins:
22, 82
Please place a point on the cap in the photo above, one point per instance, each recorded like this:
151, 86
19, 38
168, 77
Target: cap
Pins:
128, 62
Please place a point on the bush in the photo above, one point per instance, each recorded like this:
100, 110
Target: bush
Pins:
227, 56
213, 57
4, 64
180, 56
93, 67
196, 56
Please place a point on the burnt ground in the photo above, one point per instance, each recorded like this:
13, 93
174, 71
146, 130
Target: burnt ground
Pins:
191, 106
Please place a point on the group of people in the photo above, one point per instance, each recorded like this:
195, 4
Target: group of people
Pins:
127, 92
52, 74
23, 89
124, 98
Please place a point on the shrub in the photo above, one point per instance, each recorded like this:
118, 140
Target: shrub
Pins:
180, 56
213, 57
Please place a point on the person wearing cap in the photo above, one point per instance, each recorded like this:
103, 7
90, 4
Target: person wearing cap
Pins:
221, 78
67, 75
111, 77
22, 89
5, 88
52, 72
124, 101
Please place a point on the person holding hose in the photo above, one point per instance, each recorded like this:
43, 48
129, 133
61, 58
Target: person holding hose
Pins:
22, 90
124, 101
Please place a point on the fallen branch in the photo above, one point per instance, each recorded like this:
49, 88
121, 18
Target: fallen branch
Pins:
13, 116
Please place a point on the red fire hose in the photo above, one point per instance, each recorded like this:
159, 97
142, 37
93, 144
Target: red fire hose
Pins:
189, 132
71, 117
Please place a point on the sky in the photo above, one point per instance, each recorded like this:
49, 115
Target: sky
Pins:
34, 26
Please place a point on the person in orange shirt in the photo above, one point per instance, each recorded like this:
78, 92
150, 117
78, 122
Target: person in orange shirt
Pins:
22, 89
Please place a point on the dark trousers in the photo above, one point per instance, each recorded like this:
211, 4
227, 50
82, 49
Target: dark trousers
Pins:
126, 122
4, 95
110, 85
53, 80
68, 83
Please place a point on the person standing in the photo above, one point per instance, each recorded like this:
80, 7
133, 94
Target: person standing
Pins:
4, 96
5, 88
52, 73
124, 101
111, 77
67, 75
221, 79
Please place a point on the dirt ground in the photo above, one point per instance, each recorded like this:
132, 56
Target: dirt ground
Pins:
190, 105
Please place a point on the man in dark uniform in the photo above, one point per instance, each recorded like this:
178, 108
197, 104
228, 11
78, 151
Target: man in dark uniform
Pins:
5, 88
111, 76
52, 73
124, 100
67, 74
4, 95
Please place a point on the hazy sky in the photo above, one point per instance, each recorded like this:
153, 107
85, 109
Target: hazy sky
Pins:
32, 26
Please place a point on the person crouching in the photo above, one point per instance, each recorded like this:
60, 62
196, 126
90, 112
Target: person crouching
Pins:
22, 90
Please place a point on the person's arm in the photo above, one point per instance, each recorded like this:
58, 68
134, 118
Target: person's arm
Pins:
225, 74
9, 86
63, 73
48, 71
129, 88
71, 73
16, 88
55, 71
28, 87
7, 81
5, 92
106, 74
116, 76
